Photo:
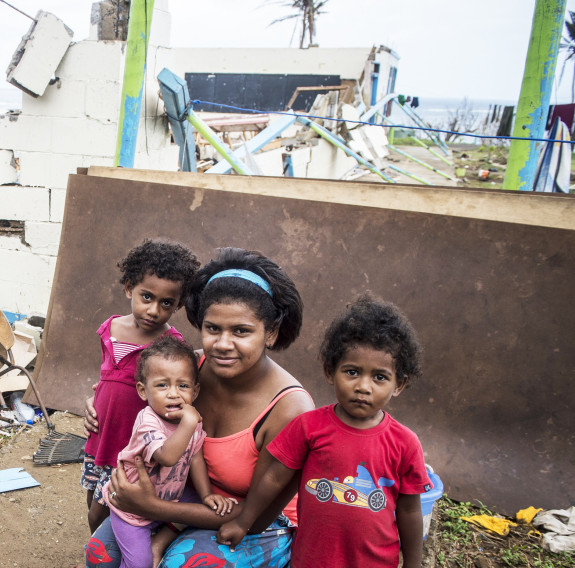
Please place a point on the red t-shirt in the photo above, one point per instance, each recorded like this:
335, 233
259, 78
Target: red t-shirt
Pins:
349, 484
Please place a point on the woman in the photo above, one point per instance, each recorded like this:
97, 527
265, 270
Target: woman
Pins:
243, 304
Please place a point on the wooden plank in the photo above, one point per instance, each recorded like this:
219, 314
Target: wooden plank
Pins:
542, 210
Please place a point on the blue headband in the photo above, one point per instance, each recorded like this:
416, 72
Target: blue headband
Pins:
246, 275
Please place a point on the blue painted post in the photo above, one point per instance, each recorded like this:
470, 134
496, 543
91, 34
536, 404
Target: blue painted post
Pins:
133, 85
533, 106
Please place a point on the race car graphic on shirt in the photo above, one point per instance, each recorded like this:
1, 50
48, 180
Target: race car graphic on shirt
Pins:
359, 491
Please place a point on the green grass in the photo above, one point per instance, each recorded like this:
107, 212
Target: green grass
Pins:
460, 543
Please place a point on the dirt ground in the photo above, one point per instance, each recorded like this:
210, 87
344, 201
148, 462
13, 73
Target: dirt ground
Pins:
44, 526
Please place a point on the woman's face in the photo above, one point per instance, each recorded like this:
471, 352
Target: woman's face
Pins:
234, 339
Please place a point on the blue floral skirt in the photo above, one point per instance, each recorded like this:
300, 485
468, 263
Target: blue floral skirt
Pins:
198, 547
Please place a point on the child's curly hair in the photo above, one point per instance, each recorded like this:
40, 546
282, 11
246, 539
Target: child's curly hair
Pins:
163, 258
379, 325
167, 347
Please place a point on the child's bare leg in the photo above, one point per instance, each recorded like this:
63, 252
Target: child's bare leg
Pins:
97, 515
89, 497
161, 540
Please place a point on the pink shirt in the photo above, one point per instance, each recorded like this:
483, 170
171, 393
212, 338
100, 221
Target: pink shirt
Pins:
149, 433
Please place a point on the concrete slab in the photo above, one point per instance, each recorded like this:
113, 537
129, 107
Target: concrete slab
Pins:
39, 54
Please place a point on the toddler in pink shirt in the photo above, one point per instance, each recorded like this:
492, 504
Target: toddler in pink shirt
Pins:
168, 435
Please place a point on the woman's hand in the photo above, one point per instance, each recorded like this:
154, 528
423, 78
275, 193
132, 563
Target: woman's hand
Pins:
137, 498
90, 416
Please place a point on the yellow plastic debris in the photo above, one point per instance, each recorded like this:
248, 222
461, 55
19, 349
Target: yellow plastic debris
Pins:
494, 524
527, 515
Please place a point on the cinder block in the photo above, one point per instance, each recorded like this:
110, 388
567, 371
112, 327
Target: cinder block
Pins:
300, 161
25, 298
151, 103
63, 99
162, 57
43, 238
25, 133
12, 243
85, 137
103, 101
27, 268
161, 159
93, 61
161, 26
39, 54
24, 204
77, 99
48, 169
8, 171
9, 130
153, 134
57, 205
161, 5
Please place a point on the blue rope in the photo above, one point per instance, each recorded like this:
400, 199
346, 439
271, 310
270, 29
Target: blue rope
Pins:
482, 136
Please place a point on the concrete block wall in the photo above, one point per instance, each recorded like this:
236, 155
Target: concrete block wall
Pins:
73, 124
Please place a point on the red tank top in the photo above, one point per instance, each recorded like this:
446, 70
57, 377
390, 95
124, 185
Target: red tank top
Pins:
231, 460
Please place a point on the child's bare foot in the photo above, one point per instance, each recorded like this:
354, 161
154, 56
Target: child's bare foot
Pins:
160, 541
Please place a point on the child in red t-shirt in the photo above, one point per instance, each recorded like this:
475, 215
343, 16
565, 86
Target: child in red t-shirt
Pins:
360, 471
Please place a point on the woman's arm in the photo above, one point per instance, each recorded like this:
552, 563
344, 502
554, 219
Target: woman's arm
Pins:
140, 498
274, 480
286, 409
410, 527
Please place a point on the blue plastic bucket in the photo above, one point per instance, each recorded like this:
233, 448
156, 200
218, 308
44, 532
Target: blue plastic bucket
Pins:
428, 500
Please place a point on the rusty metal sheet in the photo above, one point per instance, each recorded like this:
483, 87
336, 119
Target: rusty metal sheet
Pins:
492, 301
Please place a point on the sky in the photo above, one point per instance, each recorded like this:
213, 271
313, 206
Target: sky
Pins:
452, 49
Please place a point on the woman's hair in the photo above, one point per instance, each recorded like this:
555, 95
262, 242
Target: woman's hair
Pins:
163, 258
279, 309
377, 325
167, 347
